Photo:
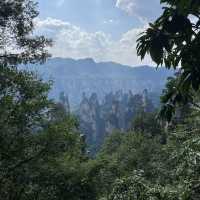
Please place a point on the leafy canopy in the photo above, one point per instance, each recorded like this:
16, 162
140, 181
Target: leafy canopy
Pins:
174, 40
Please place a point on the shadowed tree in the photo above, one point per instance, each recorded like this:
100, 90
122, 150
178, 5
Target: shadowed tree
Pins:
41, 150
174, 40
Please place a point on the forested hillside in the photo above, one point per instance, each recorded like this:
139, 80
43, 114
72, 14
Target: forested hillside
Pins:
43, 152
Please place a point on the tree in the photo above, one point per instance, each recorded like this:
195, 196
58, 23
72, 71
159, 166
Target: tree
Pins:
130, 188
147, 123
42, 153
123, 153
17, 43
23, 98
22, 105
41, 150
174, 39
174, 171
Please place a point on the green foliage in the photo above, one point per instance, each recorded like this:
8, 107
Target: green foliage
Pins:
173, 40
137, 166
17, 43
131, 188
147, 123
41, 150
175, 175
124, 153
42, 154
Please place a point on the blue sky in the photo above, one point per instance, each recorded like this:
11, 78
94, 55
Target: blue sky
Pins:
105, 30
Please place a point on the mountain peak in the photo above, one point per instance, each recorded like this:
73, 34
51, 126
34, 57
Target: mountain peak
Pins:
87, 60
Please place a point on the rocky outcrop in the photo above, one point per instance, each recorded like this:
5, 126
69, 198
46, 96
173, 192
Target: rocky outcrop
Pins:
115, 112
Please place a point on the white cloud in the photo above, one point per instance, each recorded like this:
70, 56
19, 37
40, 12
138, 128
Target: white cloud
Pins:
50, 23
144, 10
127, 5
110, 21
71, 41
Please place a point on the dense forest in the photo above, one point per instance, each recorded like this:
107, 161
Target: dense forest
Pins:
43, 153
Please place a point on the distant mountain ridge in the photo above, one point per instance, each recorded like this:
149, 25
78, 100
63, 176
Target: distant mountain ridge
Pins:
75, 77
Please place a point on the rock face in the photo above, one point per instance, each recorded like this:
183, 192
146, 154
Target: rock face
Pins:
77, 76
64, 100
89, 117
115, 112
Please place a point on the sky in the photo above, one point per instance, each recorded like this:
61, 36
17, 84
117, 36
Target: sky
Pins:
105, 30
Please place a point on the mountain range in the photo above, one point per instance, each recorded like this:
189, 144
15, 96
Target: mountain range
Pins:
85, 76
